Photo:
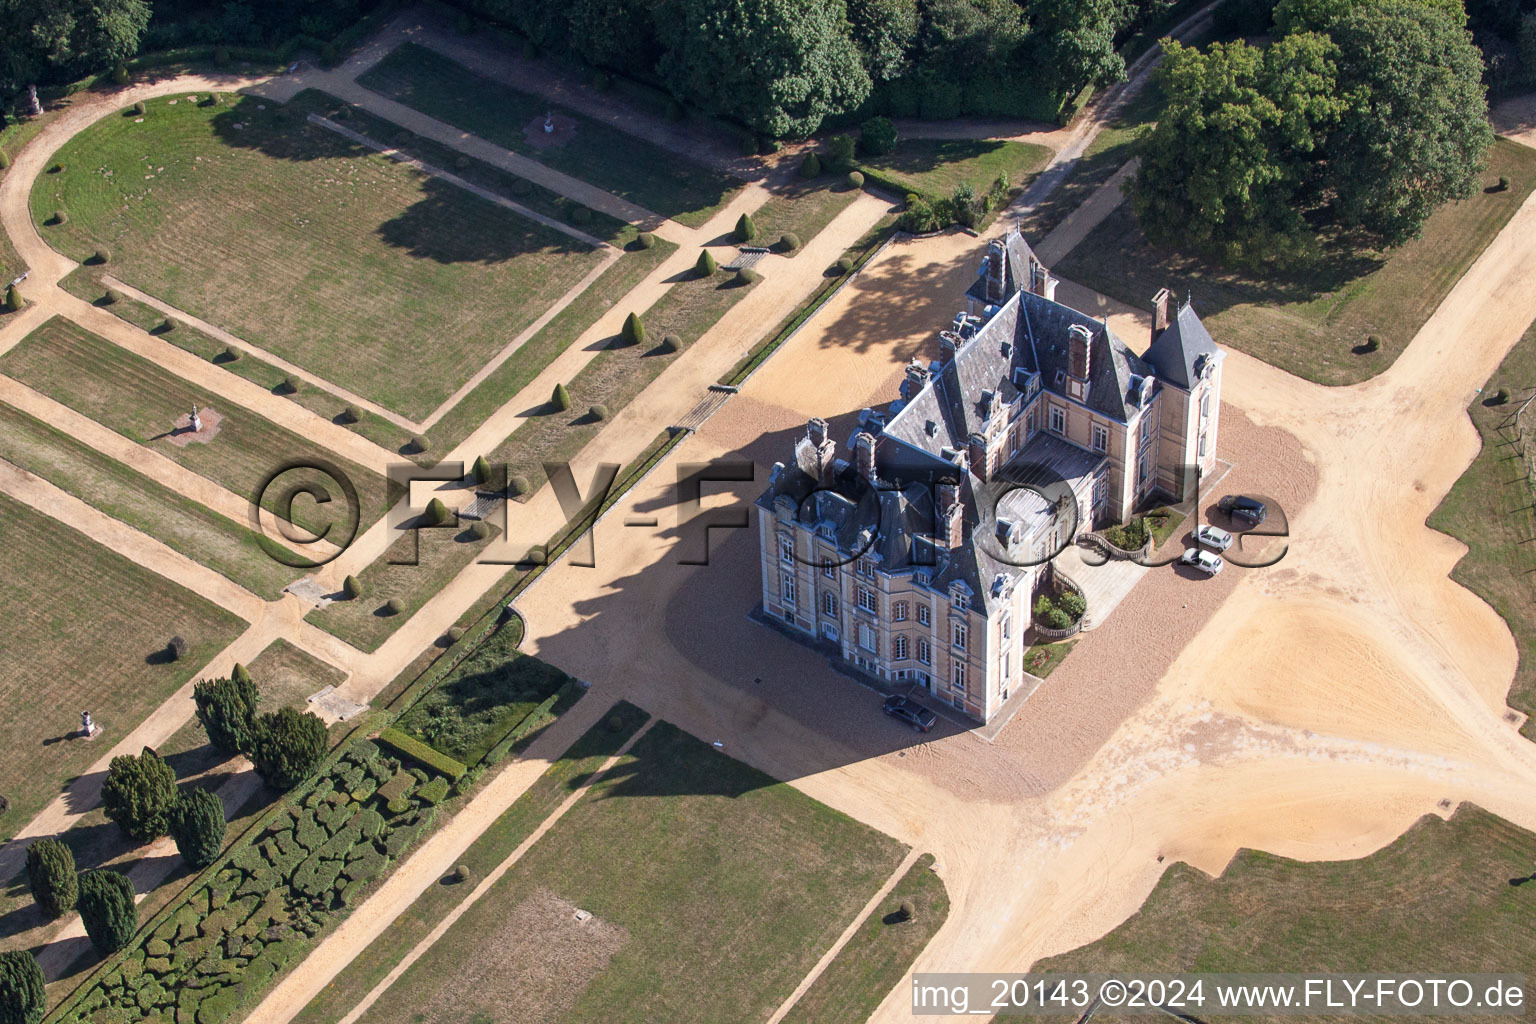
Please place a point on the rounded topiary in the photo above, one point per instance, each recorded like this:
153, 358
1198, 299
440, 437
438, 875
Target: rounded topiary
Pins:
908, 911
749, 144
599, 412
746, 230
789, 241
329, 55
1501, 396
615, 723
226, 708
120, 75
810, 167
291, 385
844, 265
521, 186
138, 108
111, 297
212, 100
1372, 343
5, 160
169, 325
101, 256
60, 218
51, 873
877, 136
454, 634
13, 299
177, 648
479, 530
23, 998
581, 215
461, 873
518, 485
352, 587
1503, 184
461, 162
561, 398
107, 910
420, 443
352, 414
855, 179
437, 513
747, 275
706, 265
56, 169
198, 826
537, 555
633, 331
671, 343
645, 240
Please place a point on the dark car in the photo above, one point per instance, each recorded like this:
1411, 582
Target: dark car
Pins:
1239, 506
911, 712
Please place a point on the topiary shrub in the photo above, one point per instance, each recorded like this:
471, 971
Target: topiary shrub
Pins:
51, 874
746, 230
599, 412
198, 826
232, 354
211, 101
461, 873
840, 152
420, 443
120, 75
288, 747
291, 385
352, 414
56, 169
111, 297
138, 794
537, 555
1503, 184
138, 108
5, 160
352, 587
810, 167
675, 111
227, 710
461, 162
561, 398
877, 136
705, 265
908, 911
615, 723
177, 648
221, 55
601, 82
1056, 619
1501, 396
100, 256
747, 276
393, 606
1042, 606
479, 530
844, 265
13, 299
1073, 604
437, 513
633, 331
963, 201
455, 633
107, 910
671, 343
522, 187
645, 240
518, 485
169, 325
1372, 343
23, 998
581, 215
480, 471
789, 242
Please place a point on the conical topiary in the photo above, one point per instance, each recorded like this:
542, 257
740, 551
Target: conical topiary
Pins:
706, 265
480, 472
561, 399
810, 167
241, 674
634, 330
437, 513
745, 229
12, 299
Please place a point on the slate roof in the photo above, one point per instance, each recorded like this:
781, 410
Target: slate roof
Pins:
1176, 351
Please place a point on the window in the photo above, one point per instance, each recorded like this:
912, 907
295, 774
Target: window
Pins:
958, 703
828, 603
1144, 469
866, 568
899, 611
957, 681
867, 599
1100, 491
1058, 420
1100, 438
787, 590
960, 635
1202, 444
867, 637
1029, 423
829, 570
1205, 404
924, 652
899, 648
1147, 423
922, 615
1006, 673
1013, 438
959, 600
786, 549
1007, 624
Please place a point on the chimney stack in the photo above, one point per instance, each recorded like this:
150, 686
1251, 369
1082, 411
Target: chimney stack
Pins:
864, 454
951, 516
1079, 340
916, 380
1160, 312
996, 272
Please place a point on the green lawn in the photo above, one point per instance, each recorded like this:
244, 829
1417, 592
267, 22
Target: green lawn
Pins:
85, 629
713, 890
880, 954
1441, 898
567, 774
141, 401
1310, 321
617, 374
936, 166
1041, 659
802, 208
620, 163
1490, 510
203, 535
376, 277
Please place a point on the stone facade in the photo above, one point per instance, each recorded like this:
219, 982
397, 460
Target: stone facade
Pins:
917, 549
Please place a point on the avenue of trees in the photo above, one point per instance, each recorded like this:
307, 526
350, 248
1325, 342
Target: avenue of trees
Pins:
1362, 115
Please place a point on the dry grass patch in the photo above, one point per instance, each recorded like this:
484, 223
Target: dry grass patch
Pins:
386, 281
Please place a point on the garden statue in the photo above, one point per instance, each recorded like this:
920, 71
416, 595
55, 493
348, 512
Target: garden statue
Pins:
33, 107
88, 727
549, 121
197, 421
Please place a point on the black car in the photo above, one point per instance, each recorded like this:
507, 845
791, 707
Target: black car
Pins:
1239, 506
911, 712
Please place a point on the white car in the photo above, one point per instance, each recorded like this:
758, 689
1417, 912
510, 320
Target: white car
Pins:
1205, 561
1213, 537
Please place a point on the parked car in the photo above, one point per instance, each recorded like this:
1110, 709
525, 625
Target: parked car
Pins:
910, 711
1205, 561
1239, 506
1213, 537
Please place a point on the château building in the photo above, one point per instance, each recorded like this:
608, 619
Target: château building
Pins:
917, 548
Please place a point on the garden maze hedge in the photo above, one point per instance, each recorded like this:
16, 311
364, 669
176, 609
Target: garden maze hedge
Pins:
249, 919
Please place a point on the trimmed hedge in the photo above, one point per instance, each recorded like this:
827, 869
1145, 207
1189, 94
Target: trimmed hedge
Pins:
422, 754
